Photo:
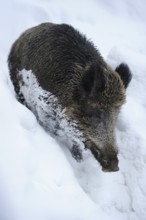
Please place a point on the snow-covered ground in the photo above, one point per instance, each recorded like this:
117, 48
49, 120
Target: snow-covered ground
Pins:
39, 180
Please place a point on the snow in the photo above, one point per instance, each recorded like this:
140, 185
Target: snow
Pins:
38, 177
42, 103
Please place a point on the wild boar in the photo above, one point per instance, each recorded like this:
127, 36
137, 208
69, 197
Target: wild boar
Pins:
58, 66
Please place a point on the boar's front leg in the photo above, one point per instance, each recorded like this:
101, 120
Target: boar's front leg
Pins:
76, 152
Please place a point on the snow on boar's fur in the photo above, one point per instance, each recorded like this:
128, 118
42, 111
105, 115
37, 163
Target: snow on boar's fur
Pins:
67, 66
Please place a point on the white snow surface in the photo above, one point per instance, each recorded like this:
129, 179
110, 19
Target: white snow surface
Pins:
39, 180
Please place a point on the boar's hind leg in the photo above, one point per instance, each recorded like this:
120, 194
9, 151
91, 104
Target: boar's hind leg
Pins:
13, 64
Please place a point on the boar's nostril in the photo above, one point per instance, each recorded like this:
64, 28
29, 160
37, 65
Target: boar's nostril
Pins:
116, 169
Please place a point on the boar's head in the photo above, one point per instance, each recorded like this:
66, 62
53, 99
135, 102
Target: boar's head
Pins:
98, 99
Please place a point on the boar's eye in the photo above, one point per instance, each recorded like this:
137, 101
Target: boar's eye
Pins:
95, 151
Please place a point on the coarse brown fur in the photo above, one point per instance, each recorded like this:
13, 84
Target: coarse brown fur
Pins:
69, 66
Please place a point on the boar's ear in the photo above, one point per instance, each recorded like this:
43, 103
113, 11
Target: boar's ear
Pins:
125, 73
93, 80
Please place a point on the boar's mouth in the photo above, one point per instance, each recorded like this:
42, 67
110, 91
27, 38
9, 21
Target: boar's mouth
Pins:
110, 170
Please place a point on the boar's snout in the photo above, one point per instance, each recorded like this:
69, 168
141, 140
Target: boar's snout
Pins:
112, 166
106, 156
109, 161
